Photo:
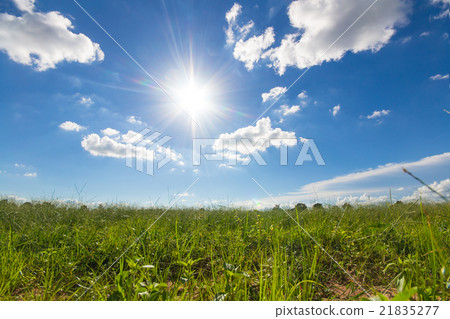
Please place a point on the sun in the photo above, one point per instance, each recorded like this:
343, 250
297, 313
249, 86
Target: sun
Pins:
194, 99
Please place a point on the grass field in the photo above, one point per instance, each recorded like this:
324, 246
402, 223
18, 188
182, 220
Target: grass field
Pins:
56, 253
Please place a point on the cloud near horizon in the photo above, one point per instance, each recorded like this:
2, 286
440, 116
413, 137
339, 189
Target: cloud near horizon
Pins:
371, 186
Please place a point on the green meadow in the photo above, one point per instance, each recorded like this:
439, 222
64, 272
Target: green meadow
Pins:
51, 252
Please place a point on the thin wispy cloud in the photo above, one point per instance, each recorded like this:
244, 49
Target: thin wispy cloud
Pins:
438, 77
34, 174
370, 184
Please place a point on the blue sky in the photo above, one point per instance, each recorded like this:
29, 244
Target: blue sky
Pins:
372, 97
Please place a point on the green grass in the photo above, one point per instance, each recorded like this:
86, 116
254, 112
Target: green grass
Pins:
55, 253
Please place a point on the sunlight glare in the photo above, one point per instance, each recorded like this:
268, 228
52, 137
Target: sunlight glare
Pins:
194, 99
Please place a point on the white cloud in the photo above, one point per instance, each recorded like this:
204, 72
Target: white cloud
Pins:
19, 165
302, 139
262, 131
370, 182
400, 189
378, 114
250, 51
34, 174
14, 198
336, 110
134, 120
353, 180
233, 13
286, 110
107, 147
231, 17
86, 101
364, 199
235, 32
42, 40
439, 77
320, 23
226, 166
425, 34
71, 126
273, 93
302, 95
196, 171
443, 14
443, 4
405, 39
442, 187
110, 132
25, 5
185, 194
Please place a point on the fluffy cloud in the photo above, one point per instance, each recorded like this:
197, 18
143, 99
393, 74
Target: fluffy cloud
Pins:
25, 5
286, 110
107, 147
273, 93
110, 132
321, 23
377, 114
250, 51
71, 126
86, 101
42, 40
439, 77
365, 199
336, 110
302, 95
442, 187
134, 120
261, 136
235, 32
